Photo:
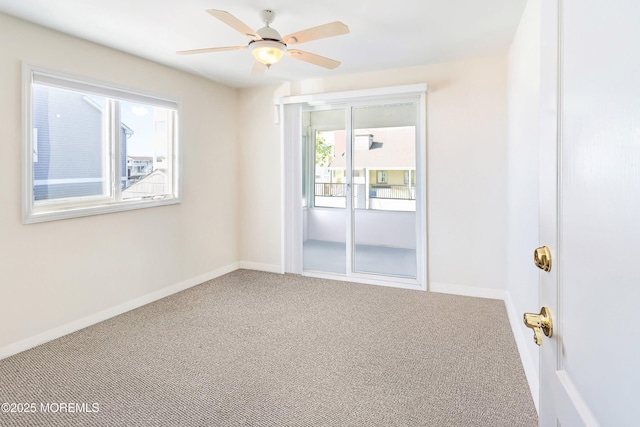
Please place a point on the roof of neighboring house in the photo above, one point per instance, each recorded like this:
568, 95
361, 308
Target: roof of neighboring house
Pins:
392, 148
127, 130
153, 184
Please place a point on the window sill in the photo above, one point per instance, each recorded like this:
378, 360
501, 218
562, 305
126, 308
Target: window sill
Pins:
44, 215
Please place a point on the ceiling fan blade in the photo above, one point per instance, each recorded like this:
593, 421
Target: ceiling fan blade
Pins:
320, 32
210, 49
258, 68
314, 59
234, 23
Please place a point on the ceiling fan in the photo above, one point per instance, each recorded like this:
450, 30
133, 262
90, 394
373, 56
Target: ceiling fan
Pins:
268, 46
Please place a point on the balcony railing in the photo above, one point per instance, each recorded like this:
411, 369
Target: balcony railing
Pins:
400, 192
325, 189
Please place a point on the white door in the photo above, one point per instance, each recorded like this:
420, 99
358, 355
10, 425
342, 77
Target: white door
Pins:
590, 212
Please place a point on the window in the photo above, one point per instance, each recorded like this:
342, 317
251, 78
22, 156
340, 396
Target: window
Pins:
92, 148
382, 177
407, 178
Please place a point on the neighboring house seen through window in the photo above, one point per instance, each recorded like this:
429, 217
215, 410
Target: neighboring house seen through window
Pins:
92, 148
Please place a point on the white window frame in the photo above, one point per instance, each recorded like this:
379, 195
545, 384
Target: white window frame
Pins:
33, 212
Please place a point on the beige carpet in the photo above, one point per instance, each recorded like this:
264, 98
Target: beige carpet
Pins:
261, 349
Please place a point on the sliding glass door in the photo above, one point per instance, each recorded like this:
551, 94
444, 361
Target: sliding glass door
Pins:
324, 192
384, 198
359, 190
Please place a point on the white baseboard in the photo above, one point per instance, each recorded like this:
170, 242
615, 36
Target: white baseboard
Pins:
530, 369
515, 320
388, 282
269, 268
467, 291
92, 319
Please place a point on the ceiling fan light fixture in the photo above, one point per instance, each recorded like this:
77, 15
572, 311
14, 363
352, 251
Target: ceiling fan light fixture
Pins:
268, 52
268, 46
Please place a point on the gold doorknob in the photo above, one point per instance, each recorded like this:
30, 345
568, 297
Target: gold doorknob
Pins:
542, 258
540, 323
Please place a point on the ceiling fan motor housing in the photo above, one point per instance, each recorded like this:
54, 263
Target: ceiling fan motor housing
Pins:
267, 16
268, 33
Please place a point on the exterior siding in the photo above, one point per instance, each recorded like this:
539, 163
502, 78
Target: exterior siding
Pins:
69, 144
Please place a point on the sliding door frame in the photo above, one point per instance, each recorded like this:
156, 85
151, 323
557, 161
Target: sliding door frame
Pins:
290, 112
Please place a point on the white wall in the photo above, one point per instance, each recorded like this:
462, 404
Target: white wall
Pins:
58, 272
467, 138
523, 219
260, 180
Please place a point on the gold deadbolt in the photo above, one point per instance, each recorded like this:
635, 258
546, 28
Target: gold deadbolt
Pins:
542, 258
540, 323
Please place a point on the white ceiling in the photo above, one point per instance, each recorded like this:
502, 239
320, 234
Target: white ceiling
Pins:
383, 34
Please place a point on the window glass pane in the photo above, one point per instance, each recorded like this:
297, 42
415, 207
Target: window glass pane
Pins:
145, 150
69, 152
384, 215
389, 159
330, 181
